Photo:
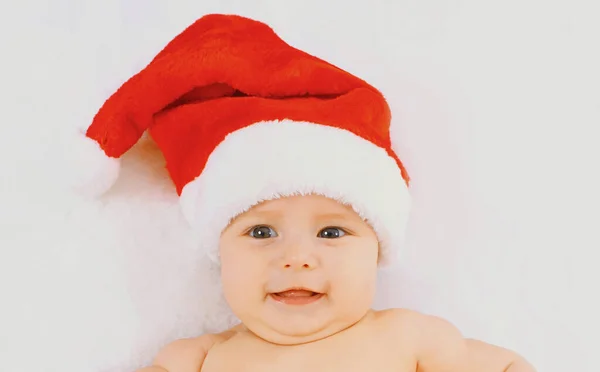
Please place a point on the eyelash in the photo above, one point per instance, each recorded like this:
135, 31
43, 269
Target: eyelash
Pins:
343, 231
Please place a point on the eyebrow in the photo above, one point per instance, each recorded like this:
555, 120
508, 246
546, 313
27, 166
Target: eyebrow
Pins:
260, 214
256, 214
333, 216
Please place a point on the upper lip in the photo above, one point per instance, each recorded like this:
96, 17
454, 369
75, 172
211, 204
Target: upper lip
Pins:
297, 289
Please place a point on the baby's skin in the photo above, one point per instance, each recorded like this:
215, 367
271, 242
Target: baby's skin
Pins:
300, 273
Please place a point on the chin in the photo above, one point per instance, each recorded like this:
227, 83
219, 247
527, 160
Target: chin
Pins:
300, 328
292, 333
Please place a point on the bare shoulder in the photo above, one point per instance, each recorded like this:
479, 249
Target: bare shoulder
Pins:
414, 328
428, 333
187, 355
405, 320
439, 345
420, 327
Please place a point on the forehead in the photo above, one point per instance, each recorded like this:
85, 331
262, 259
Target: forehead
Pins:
301, 204
305, 200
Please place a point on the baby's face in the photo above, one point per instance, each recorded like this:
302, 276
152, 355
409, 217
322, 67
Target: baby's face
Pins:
299, 269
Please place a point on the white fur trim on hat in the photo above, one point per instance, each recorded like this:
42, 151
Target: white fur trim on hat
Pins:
275, 159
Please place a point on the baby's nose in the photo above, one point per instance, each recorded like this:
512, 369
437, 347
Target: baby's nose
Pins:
299, 258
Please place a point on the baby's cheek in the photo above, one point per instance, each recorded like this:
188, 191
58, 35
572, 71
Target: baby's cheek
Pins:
241, 272
235, 287
354, 276
243, 289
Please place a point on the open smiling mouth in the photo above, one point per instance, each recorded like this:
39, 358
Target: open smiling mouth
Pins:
297, 296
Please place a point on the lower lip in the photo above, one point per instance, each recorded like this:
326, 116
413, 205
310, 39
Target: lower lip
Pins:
297, 300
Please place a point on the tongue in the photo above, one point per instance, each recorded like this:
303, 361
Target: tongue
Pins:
296, 293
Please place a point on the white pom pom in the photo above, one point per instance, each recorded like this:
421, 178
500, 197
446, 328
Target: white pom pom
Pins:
90, 172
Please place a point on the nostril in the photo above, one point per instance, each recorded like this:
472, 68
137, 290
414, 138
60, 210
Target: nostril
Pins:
304, 266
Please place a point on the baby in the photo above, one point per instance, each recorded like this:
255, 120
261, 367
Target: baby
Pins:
290, 180
300, 273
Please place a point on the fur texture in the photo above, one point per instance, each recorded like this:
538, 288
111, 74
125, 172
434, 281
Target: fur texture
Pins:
91, 173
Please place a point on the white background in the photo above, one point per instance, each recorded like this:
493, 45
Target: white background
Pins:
496, 114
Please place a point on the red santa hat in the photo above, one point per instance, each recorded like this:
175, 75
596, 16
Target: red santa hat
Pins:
242, 117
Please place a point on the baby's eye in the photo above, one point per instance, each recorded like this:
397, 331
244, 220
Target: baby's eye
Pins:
331, 233
262, 232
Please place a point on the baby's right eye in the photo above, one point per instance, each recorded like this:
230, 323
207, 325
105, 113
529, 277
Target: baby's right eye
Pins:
262, 232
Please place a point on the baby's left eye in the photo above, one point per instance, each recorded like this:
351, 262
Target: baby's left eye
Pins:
331, 233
